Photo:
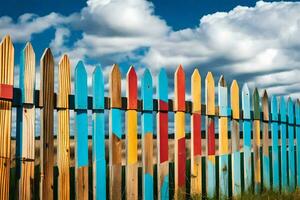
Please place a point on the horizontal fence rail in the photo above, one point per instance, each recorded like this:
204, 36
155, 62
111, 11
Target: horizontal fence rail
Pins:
249, 143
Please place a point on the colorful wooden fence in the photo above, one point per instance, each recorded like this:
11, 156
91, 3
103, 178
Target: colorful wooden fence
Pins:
219, 163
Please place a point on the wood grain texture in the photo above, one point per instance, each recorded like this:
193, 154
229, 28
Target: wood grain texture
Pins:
6, 77
196, 168
274, 138
265, 142
115, 135
63, 150
210, 94
247, 137
47, 143
81, 133
131, 136
223, 139
291, 152
256, 142
27, 139
180, 154
162, 137
147, 134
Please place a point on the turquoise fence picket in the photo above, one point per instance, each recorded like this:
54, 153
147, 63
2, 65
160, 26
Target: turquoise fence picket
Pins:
291, 151
99, 162
275, 152
297, 117
284, 177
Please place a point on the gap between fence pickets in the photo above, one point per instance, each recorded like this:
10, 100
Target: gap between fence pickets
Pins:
188, 104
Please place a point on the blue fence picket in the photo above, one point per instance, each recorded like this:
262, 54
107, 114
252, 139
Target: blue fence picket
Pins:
275, 152
291, 151
81, 134
297, 117
247, 137
99, 162
147, 134
284, 177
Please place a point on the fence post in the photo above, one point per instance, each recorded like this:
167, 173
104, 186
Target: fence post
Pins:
99, 162
196, 159
223, 139
265, 143
115, 134
291, 153
47, 141
27, 129
210, 136
63, 136
297, 117
162, 136
275, 152
147, 135
283, 128
247, 137
256, 142
180, 154
81, 134
235, 140
131, 136
6, 90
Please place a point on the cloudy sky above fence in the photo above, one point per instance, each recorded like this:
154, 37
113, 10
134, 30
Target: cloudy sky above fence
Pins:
254, 42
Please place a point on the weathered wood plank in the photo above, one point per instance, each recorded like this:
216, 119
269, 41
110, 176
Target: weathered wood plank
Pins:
162, 136
210, 136
196, 162
115, 135
256, 142
6, 79
283, 131
247, 137
291, 152
235, 140
147, 134
27, 133
99, 162
180, 154
265, 143
81, 134
223, 139
275, 151
47, 143
131, 136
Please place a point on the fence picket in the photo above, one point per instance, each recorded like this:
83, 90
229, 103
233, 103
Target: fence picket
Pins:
275, 152
63, 136
6, 90
297, 117
256, 142
196, 159
81, 134
284, 177
115, 134
235, 140
162, 136
47, 138
291, 152
265, 143
210, 136
131, 137
247, 138
147, 135
27, 129
223, 139
99, 162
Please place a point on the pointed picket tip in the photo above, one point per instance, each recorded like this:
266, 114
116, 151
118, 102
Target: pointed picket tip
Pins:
80, 86
235, 100
282, 109
297, 111
47, 54
131, 88
98, 88
162, 90
290, 110
28, 47
274, 108
179, 93
265, 105
196, 91
256, 109
80, 68
115, 87
210, 94
245, 89
64, 82
7, 40
64, 60
147, 90
222, 81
